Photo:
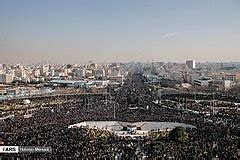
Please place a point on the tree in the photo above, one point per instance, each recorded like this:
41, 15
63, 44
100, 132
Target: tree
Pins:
178, 134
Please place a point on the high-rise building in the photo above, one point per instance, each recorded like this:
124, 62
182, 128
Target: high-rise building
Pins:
190, 64
44, 70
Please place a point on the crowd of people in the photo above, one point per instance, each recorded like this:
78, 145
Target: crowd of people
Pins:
132, 102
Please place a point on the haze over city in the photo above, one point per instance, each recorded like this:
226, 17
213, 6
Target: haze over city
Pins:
115, 31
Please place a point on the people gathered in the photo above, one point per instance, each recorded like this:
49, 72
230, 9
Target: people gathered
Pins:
215, 135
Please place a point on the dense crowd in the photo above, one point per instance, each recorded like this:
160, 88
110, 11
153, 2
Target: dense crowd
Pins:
49, 127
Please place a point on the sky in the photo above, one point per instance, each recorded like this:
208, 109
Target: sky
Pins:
76, 31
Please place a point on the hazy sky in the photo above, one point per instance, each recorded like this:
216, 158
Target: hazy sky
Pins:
119, 30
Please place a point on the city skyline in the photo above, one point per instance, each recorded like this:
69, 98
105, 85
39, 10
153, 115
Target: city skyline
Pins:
107, 31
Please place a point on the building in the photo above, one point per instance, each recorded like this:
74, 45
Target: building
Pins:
115, 72
2, 78
6, 78
80, 73
169, 83
100, 72
52, 72
68, 83
94, 65
203, 81
191, 64
100, 82
116, 79
36, 72
1, 68
222, 85
231, 77
44, 70
3, 89
107, 72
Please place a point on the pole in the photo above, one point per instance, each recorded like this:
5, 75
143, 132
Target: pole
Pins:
114, 112
195, 95
213, 105
160, 97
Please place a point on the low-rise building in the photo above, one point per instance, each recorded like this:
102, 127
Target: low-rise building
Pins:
203, 81
6, 78
116, 79
222, 85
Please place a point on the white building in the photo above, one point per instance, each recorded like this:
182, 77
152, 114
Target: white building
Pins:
1, 70
107, 72
44, 70
36, 72
203, 81
6, 78
9, 78
191, 64
52, 72
222, 85
100, 82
